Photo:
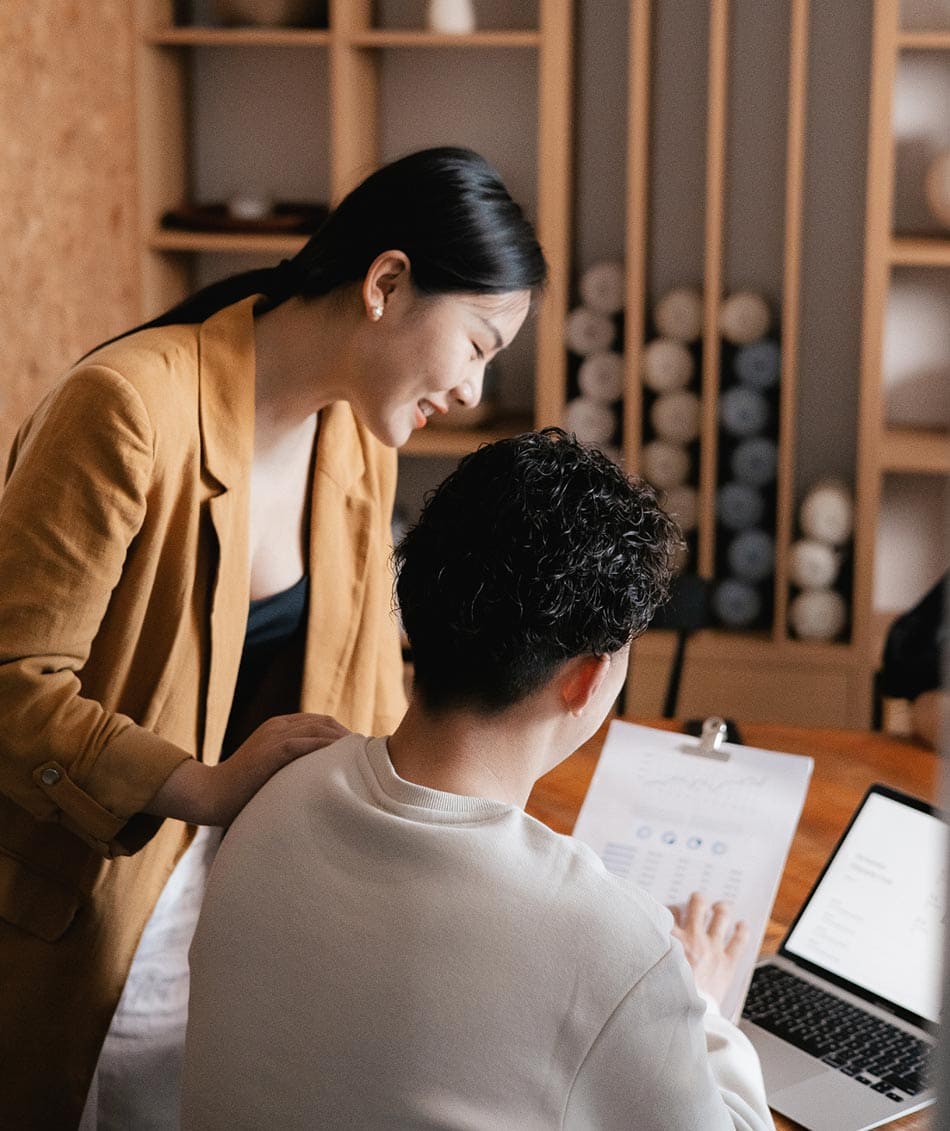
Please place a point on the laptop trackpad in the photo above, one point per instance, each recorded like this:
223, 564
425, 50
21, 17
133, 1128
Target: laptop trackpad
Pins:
831, 1103
783, 1065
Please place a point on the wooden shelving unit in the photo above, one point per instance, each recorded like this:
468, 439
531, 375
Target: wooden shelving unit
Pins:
753, 675
355, 50
748, 674
885, 450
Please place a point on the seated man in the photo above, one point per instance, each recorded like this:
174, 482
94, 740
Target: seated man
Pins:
388, 941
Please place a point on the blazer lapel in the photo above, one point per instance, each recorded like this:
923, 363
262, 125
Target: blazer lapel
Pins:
226, 395
343, 510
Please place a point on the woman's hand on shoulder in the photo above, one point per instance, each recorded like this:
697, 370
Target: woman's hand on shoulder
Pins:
214, 795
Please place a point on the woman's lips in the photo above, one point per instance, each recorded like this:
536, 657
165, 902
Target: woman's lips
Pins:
424, 409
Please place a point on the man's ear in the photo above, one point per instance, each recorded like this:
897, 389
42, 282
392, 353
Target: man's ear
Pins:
388, 270
580, 681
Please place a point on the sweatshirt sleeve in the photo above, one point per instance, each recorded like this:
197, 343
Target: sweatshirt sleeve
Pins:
74, 501
664, 1062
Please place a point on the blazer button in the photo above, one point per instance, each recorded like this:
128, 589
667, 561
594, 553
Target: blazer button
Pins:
50, 776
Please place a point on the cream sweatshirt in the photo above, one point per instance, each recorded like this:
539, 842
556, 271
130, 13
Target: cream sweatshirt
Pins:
376, 954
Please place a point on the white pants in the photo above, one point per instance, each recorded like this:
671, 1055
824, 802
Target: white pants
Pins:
138, 1078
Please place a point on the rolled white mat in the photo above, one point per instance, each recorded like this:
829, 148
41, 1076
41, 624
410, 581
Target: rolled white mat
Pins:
600, 377
739, 506
665, 465
744, 317
667, 365
675, 416
736, 603
679, 314
759, 364
743, 411
813, 564
593, 423
755, 461
682, 504
827, 513
818, 614
601, 287
587, 332
751, 555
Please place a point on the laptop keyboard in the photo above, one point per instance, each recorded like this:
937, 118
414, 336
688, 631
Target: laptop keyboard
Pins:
885, 1058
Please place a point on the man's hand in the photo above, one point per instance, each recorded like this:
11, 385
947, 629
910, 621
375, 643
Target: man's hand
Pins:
214, 795
711, 942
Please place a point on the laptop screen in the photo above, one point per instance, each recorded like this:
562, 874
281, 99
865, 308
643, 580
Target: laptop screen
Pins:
874, 921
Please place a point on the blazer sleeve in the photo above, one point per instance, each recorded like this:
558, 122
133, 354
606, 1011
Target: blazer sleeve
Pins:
74, 501
663, 1062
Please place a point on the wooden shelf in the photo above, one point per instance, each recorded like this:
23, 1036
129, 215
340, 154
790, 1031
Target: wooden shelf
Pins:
238, 37
442, 441
162, 240
920, 251
712, 642
318, 37
885, 450
924, 40
386, 38
915, 451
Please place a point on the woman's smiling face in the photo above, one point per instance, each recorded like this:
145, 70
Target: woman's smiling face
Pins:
428, 353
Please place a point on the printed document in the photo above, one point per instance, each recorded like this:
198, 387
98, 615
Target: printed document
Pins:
662, 815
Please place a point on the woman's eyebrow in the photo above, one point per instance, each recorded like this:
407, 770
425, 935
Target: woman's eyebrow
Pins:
494, 329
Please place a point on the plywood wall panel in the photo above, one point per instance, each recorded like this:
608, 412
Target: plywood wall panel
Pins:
68, 221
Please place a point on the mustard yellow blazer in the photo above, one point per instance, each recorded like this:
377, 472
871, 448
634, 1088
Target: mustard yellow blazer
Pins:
123, 601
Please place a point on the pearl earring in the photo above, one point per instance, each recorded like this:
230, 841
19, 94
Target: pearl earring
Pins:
377, 311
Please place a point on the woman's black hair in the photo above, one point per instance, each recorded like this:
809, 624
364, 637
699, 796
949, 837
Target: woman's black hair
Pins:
446, 208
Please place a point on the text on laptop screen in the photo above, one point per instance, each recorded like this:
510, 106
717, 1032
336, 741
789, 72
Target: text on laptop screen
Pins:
876, 917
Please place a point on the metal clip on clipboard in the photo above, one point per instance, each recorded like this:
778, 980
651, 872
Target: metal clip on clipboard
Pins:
710, 741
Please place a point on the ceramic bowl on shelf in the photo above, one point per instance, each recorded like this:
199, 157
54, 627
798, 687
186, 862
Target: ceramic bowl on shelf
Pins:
271, 13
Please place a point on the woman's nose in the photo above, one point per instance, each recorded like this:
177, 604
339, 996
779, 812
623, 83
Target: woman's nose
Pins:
469, 392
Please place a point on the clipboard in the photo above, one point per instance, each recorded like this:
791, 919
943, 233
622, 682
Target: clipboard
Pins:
675, 815
711, 739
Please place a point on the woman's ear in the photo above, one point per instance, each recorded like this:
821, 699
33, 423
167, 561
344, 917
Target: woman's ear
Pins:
388, 271
581, 680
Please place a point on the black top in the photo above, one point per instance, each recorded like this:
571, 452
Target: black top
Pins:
912, 651
271, 671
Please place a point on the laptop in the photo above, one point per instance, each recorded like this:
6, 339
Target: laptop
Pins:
844, 1016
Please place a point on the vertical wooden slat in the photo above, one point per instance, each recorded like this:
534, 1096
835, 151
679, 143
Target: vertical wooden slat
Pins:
880, 190
637, 225
555, 126
636, 255
791, 300
715, 210
161, 84
354, 98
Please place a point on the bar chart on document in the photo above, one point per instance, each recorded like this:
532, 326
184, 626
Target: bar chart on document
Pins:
672, 820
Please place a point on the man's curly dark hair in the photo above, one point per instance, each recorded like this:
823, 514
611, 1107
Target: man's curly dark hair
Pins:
533, 551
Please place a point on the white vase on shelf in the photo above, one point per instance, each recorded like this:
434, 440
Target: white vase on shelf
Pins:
451, 17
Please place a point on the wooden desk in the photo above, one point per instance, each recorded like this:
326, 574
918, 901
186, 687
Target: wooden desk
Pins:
846, 763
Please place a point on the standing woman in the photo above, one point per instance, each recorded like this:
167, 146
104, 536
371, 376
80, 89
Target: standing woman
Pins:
194, 538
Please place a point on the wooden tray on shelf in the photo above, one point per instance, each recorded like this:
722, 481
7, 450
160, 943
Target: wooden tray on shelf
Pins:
287, 218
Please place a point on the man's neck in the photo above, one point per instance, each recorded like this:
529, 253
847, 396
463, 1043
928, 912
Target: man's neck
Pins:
497, 756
